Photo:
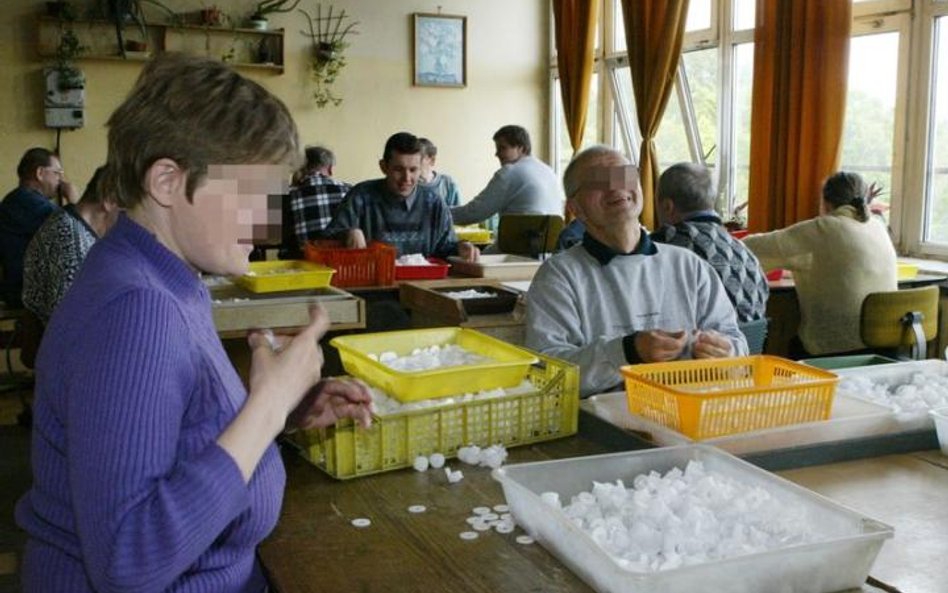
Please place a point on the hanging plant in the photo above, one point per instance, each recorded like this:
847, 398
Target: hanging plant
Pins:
69, 49
327, 61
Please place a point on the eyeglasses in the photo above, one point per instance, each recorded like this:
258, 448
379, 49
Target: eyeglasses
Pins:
57, 172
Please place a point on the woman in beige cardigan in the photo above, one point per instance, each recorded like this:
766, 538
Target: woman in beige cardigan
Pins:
837, 259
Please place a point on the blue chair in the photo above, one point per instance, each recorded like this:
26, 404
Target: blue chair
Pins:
755, 332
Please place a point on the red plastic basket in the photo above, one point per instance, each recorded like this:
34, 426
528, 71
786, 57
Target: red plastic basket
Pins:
372, 266
437, 270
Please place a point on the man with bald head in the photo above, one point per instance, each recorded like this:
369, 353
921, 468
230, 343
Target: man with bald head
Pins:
617, 298
686, 195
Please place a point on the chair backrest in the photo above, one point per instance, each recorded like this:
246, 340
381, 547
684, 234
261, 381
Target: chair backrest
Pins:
530, 235
894, 319
755, 332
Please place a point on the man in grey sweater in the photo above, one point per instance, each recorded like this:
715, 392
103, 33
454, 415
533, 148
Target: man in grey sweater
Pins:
618, 298
522, 185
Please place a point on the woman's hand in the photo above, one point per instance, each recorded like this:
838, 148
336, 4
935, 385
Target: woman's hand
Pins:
283, 368
331, 400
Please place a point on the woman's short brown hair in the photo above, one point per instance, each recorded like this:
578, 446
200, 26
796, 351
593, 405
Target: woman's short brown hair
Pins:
196, 112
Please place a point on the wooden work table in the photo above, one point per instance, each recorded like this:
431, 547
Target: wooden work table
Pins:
315, 548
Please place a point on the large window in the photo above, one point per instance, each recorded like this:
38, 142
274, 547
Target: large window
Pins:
937, 162
896, 123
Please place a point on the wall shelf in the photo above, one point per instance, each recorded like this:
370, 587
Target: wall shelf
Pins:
242, 48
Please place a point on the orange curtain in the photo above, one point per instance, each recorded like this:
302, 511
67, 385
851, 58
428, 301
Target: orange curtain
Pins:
654, 30
575, 32
801, 63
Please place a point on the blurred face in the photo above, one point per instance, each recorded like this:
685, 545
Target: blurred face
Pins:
231, 209
401, 172
50, 177
609, 192
506, 153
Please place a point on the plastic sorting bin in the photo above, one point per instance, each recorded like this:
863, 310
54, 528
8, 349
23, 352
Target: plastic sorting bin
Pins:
839, 560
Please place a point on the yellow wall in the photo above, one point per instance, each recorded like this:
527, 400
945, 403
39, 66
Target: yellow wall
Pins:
508, 61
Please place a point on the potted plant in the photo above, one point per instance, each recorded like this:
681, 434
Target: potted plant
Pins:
328, 37
258, 20
70, 76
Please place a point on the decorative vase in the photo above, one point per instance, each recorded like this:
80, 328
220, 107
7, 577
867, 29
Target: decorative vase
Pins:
258, 23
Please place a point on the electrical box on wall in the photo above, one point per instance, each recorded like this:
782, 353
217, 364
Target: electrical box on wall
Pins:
65, 100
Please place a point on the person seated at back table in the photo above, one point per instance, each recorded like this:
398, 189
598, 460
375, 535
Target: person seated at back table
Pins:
59, 247
24, 210
315, 195
686, 211
522, 185
618, 298
837, 259
441, 184
396, 210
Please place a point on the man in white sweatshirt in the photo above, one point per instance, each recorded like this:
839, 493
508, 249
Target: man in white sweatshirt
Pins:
618, 298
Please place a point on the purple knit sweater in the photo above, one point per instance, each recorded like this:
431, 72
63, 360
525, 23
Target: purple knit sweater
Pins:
130, 490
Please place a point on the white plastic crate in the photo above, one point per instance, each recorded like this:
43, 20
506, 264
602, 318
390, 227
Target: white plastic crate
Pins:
839, 562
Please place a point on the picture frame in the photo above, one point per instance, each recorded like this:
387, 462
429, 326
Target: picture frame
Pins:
440, 50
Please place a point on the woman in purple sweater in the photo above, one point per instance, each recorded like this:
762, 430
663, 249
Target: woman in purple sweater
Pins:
154, 469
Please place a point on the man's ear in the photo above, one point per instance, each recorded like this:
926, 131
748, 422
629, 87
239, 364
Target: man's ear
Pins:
165, 181
383, 167
574, 209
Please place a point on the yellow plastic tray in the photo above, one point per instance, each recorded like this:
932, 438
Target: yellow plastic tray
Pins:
549, 412
907, 271
507, 368
275, 276
717, 397
472, 234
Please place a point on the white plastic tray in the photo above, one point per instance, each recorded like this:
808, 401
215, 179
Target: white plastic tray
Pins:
894, 374
501, 266
850, 418
835, 564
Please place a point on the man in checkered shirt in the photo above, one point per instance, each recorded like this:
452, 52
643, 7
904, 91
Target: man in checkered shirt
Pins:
314, 198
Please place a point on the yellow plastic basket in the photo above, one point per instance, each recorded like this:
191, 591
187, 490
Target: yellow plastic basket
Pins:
717, 397
276, 276
508, 365
549, 412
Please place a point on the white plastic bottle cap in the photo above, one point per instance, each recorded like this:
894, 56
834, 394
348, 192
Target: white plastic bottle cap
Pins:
468, 535
361, 522
524, 539
417, 508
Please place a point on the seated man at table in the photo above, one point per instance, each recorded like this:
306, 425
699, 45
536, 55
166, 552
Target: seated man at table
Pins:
315, 194
24, 210
522, 185
396, 210
440, 183
686, 209
618, 298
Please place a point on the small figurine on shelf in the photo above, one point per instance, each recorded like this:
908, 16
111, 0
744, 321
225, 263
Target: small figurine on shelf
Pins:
258, 20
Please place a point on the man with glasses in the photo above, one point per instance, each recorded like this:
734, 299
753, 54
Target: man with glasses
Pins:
617, 298
24, 210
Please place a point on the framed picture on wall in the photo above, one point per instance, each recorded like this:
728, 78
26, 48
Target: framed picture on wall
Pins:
440, 48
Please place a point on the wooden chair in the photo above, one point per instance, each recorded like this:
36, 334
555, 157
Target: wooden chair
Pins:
530, 235
893, 321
